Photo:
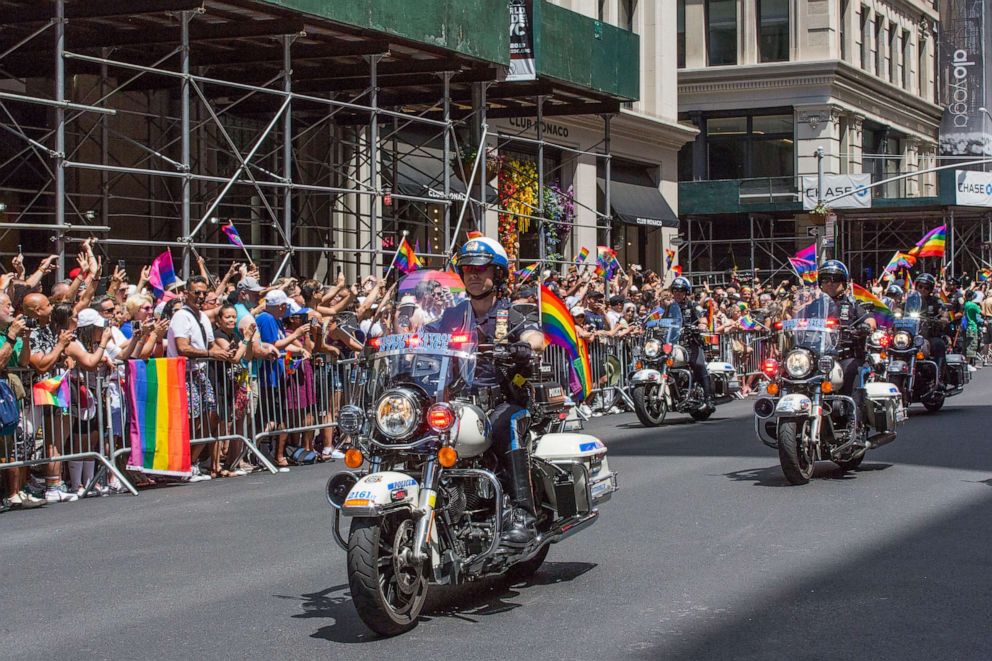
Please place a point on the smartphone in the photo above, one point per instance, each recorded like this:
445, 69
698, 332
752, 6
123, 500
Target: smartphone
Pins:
135, 326
120, 264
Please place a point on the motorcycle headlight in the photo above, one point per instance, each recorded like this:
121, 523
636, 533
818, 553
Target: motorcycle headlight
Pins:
798, 363
876, 337
652, 348
901, 340
350, 419
397, 414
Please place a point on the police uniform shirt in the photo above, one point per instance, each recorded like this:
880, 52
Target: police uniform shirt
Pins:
933, 307
849, 313
487, 328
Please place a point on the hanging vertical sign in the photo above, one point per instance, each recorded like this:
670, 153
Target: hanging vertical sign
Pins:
964, 47
521, 41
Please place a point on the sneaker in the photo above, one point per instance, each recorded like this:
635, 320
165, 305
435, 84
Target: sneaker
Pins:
237, 472
24, 500
585, 410
972, 368
36, 490
4, 505
337, 454
60, 494
92, 493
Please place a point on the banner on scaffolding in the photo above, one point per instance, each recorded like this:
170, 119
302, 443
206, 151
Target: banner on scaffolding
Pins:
965, 42
838, 184
522, 66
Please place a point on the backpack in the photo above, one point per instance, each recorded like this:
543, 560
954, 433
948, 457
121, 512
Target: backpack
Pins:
10, 415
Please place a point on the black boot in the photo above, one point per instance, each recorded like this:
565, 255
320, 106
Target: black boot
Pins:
520, 528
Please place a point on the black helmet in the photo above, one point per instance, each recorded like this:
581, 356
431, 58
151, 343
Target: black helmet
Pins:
894, 291
925, 279
832, 269
681, 284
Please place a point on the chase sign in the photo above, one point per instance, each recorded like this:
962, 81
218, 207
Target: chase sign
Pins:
854, 188
973, 189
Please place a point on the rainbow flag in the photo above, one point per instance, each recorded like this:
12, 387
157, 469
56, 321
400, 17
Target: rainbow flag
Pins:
669, 258
747, 323
606, 260
677, 270
162, 274
559, 330
231, 232
900, 260
983, 275
526, 272
880, 311
805, 269
932, 244
159, 416
473, 234
406, 259
583, 253
807, 254
53, 391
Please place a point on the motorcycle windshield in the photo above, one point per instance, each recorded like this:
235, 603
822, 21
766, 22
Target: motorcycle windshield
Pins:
815, 326
910, 320
433, 343
665, 324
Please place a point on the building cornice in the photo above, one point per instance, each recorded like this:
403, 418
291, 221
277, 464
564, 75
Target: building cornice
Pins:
636, 126
825, 81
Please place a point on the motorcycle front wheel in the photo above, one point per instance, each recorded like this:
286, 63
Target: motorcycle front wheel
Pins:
650, 406
797, 461
387, 590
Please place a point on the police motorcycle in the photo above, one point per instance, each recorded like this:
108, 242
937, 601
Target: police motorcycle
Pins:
663, 380
427, 506
909, 366
803, 415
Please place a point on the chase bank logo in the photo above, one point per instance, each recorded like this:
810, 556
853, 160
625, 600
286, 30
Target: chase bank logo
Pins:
861, 190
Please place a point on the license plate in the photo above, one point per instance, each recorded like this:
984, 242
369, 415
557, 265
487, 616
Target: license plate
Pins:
554, 393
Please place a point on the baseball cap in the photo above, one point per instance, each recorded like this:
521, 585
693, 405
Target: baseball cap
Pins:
577, 310
408, 301
90, 317
249, 283
276, 297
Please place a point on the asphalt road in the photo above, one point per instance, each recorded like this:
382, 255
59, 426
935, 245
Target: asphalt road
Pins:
704, 553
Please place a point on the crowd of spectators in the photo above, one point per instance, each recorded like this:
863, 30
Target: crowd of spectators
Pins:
277, 353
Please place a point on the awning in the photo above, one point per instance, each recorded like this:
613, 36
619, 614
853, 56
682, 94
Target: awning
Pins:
639, 204
423, 176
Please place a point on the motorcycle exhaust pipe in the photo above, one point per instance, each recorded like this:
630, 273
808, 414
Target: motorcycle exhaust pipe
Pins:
878, 440
764, 408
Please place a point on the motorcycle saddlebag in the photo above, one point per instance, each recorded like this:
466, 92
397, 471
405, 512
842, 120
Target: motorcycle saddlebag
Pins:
882, 405
957, 369
582, 468
723, 377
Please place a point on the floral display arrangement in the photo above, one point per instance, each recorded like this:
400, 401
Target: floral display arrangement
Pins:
518, 197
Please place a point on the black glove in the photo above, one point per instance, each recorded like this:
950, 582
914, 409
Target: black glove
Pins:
521, 352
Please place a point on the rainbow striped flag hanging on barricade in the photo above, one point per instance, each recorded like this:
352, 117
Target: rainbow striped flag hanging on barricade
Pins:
159, 416
53, 391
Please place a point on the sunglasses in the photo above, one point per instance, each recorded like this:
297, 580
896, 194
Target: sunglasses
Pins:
198, 294
836, 279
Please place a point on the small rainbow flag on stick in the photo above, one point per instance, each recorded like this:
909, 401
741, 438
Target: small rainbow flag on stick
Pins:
875, 307
677, 270
583, 253
932, 244
669, 257
159, 416
559, 330
162, 274
748, 324
900, 260
983, 275
53, 391
406, 259
526, 272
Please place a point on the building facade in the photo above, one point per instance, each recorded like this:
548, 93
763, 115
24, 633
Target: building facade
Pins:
768, 84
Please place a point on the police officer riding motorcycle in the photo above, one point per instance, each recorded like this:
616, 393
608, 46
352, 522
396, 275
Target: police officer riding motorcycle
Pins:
692, 325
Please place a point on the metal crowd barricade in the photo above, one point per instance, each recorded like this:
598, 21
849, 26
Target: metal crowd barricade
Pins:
86, 430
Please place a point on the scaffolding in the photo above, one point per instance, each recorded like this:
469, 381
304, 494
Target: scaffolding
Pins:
156, 122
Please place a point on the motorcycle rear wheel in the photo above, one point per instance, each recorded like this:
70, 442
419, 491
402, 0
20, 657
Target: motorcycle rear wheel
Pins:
934, 404
796, 464
388, 592
650, 412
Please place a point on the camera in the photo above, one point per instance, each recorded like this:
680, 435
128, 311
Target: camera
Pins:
30, 323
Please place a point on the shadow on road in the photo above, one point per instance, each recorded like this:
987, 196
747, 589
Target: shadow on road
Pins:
921, 595
469, 603
824, 470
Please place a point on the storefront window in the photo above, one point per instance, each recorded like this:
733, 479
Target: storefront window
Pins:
721, 32
773, 30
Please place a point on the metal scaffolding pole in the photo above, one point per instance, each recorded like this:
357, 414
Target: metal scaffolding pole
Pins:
184, 135
287, 145
60, 134
607, 177
539, 125
446, 77
375, 232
